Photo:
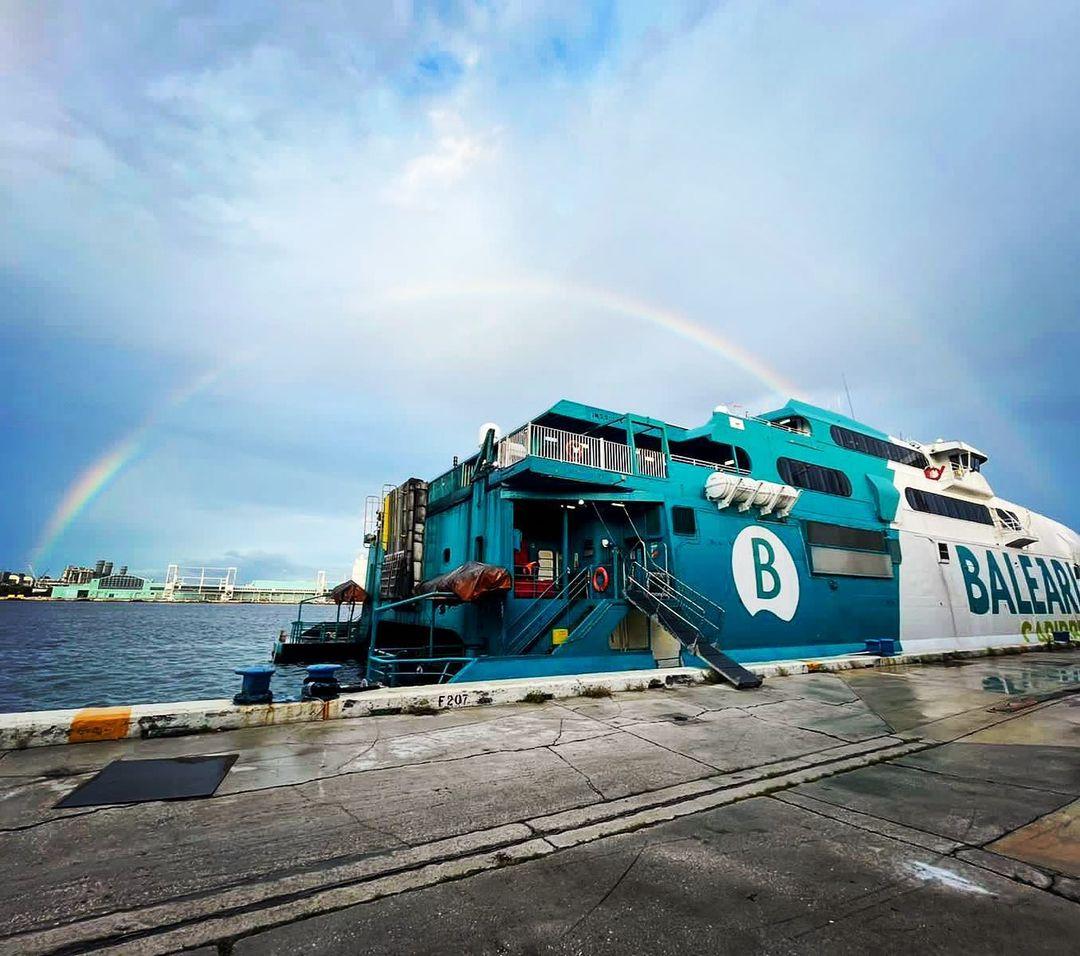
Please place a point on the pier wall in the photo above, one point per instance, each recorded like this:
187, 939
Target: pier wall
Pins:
84, 725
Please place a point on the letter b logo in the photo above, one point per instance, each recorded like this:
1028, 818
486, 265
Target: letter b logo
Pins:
765, 575
766, 579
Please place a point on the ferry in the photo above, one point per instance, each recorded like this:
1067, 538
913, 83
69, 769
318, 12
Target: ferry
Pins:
590, 541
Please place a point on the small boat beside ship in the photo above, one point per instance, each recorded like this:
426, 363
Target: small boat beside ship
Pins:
589, 541
324, 641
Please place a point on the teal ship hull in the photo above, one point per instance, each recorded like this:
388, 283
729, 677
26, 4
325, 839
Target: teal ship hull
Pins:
626, 542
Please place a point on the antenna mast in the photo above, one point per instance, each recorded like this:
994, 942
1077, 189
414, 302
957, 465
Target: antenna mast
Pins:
847, 392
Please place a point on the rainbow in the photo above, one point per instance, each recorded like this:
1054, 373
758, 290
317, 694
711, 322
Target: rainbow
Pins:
97, 476
617, 304
94, 479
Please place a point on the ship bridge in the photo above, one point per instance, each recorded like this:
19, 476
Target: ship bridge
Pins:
961, 466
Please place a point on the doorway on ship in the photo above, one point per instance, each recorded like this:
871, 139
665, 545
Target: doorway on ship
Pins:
631, 534
556, 544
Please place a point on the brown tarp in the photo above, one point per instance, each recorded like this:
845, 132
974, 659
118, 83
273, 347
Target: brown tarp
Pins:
469, 582
348, 592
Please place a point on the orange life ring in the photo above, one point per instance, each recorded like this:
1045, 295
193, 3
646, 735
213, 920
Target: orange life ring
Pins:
934, 474
600, 579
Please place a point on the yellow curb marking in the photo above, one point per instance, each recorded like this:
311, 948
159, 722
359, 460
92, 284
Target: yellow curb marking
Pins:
99, 723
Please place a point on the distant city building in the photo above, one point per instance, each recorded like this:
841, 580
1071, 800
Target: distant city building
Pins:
76, 575
19, 584
205, 585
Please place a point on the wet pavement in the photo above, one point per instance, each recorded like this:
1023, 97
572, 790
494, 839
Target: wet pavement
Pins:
935, 807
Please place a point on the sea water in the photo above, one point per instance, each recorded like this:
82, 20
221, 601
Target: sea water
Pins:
56, 655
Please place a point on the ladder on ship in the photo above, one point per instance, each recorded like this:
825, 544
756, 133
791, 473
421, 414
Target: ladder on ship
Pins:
690, 617
554, 602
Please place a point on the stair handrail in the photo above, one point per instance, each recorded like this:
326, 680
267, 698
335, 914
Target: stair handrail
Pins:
686, 609
670, 584
584, 627
661, 606
677, 589
680, 585
536, 613
545, 594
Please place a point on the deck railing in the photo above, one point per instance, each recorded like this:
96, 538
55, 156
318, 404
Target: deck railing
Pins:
398, 667
715, 466
651, 463
555, 444
453, 480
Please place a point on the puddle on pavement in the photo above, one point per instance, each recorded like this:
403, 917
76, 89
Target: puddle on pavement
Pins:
1043, 680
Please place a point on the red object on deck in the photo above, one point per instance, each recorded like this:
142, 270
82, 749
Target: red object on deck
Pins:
469, 582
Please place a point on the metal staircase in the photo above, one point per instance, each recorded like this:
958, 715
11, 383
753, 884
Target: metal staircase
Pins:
690, 617
604, 616
534, 623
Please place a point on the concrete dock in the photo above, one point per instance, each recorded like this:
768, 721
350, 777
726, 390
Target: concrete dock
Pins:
912, 808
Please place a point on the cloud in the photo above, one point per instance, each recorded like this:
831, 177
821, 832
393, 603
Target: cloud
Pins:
881, 193
454, 154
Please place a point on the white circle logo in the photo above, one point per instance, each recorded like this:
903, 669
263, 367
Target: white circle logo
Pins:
764, 573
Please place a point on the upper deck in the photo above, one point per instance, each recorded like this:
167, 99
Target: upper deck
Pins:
579, 442
848, 467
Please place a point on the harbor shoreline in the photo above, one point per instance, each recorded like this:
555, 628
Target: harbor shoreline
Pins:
45, 728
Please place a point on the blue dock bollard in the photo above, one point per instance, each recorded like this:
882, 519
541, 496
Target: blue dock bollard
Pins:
321, 682
255, 688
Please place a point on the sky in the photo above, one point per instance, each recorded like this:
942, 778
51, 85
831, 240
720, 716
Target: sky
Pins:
258, 260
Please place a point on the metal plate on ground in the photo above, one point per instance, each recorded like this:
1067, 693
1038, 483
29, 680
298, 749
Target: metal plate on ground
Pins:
138, 781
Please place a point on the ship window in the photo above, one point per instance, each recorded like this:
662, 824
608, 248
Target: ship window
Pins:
839, 536
942, 553
868, 445
947, 506
802, 474
836, 550
711, 454
683, 521
446, 555
478, 550
652, 521
793, 423
839, 562
1009, 521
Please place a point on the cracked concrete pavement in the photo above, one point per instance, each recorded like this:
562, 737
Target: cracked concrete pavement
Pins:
885, 807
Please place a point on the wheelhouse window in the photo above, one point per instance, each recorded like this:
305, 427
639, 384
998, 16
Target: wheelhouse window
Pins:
964, 461
947, 507
879, 448
803, 474
683, 521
